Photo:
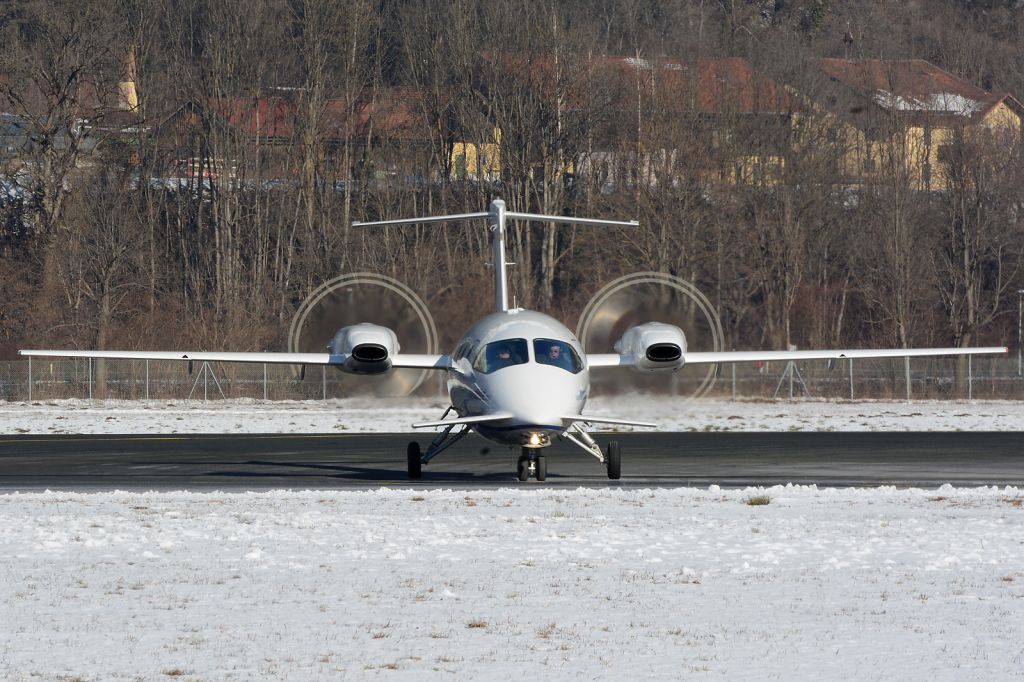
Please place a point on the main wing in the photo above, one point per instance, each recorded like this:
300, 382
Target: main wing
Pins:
705, 358
596, 360
400, 360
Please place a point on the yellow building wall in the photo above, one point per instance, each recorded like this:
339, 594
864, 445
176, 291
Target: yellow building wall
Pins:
913, 155
1002, 118
477, 161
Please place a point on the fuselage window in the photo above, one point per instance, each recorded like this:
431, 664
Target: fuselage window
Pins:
557, 353
500, 354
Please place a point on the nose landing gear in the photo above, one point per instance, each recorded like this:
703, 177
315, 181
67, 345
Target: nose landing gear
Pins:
532, 463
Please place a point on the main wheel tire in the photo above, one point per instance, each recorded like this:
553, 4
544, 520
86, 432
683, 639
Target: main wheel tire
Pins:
523, 468
542, 468
413, 460
614, 458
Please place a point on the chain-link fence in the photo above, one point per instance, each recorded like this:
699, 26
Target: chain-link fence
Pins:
944, 378
895, 378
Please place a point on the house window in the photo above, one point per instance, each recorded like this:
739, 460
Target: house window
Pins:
870, 164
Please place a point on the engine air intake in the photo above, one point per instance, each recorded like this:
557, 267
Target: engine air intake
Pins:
664, 352
370, 352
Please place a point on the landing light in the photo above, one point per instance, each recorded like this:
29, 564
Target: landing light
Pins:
535, 439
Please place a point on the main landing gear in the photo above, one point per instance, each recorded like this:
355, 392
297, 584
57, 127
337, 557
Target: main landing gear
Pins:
415, 458
532, 463
613, 460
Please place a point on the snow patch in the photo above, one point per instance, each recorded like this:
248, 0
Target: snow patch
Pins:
364, 415
586, 584
937, 102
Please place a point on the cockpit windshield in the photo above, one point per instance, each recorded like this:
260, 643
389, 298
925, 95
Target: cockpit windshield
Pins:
557, 353
500, 354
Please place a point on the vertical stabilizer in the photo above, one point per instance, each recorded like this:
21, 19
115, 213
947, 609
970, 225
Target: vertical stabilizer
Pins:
497, 225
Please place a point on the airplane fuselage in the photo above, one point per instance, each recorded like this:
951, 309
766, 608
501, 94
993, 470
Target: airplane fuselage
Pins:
525, 364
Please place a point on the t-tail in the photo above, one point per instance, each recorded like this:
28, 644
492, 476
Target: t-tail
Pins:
496, 217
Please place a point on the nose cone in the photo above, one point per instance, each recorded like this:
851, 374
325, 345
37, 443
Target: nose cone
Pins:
539, 395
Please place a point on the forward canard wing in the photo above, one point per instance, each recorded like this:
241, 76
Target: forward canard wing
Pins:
589, 419
479, 419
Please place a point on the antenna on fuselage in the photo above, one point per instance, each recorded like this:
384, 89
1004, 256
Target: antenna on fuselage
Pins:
496, 217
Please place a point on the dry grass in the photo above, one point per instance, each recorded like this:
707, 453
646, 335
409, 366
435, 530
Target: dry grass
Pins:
758, 500
476, 623
546, 631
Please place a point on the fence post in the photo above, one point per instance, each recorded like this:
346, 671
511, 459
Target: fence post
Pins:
147, 379
733, 365
970, 379
906, 371
90, 379
264, 381
323, 373
30, 378
851, 378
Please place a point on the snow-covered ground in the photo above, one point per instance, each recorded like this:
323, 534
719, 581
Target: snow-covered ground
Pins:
395, 415
777, 584
782, 583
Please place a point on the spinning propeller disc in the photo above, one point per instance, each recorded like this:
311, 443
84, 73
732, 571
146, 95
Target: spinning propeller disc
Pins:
366, 297
652, 297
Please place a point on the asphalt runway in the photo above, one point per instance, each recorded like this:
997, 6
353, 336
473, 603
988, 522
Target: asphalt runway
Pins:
262, 462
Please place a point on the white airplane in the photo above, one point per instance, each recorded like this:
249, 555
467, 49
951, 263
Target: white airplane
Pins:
517, 377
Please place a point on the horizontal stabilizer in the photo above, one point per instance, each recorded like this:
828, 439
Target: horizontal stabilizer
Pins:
481, 419
589, 419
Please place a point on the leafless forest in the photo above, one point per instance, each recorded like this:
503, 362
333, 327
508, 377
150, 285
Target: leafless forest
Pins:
178, 222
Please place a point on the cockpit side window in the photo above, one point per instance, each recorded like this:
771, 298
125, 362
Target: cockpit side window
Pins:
500, 354
464, 350
557, 353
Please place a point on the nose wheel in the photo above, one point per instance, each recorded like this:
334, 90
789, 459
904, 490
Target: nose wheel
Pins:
532, 463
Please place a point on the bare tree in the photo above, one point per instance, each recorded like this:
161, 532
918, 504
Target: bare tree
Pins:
61, 68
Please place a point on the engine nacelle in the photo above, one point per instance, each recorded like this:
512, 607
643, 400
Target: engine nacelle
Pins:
653, 347
368, 347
